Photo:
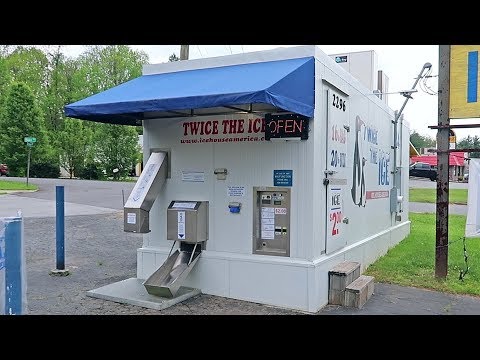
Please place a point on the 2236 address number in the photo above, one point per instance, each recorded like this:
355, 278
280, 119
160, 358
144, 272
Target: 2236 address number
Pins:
339, 103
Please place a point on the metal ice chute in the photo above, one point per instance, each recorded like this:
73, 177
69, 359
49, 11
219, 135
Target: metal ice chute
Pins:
187, 223
168, 279
143, 195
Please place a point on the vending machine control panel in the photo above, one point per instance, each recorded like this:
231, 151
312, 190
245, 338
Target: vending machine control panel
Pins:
271, 221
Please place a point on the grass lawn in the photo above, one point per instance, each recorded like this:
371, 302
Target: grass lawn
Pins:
15, 185
457, 196
412, 261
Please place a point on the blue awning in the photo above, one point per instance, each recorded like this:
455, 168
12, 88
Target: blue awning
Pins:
286, 85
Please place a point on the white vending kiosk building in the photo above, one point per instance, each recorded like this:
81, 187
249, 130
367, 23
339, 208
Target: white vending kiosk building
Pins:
264, 169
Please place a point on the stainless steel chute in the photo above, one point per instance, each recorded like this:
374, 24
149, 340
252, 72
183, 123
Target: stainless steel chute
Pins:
187, 223
144, 193
168, 279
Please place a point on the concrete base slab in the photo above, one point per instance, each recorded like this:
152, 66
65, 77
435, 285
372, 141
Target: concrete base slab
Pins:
131, 291
56, 272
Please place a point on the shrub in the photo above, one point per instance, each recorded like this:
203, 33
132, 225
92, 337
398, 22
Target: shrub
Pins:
91, 172
45, 170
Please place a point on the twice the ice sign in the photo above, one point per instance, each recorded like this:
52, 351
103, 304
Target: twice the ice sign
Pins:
233, 126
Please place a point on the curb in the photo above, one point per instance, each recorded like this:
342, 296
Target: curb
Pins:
7, 192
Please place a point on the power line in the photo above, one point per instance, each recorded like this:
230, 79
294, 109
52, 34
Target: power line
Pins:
432, 92
424, 86
465, 256
230, 49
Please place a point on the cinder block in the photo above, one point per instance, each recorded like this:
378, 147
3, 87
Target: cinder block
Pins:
339, 278
336, 297
359, 291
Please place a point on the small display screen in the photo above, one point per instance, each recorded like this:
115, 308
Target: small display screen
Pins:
266, 202
277, 202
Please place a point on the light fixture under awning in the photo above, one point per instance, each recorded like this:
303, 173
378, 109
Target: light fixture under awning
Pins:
286, 85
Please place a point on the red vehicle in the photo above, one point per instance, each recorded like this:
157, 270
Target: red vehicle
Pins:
3, 169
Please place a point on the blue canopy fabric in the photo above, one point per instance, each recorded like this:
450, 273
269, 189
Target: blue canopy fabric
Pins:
285, 84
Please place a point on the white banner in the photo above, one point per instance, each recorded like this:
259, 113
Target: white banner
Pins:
472, 228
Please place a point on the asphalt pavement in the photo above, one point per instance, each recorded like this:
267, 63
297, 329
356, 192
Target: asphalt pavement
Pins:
431, 207
103, 194
428, 184
98, 253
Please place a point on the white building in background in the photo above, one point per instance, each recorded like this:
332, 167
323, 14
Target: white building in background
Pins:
363, 65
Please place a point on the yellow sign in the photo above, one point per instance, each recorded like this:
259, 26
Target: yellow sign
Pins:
413, 151
452, 137
464, 82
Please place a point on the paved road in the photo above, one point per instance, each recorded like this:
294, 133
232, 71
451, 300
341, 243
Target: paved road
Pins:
11, 204
431, 208
104, 194
81, 197
427, 184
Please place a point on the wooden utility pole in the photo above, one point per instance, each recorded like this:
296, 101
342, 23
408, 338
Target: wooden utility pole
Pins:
441, 243
183, 52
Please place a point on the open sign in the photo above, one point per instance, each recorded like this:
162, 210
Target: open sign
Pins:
286, 126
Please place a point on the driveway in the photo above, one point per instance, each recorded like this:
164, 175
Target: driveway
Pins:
103, 194
81, 198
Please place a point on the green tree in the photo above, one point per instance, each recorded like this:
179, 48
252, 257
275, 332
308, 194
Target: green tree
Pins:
5, 80
5, 49
98, 69
420, 141
42, 69
470, 142
5, 77
103, 67
58, 89
117, 148
73, 142
30, 66
22, 117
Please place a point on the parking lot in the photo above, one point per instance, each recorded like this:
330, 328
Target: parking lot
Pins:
98, 252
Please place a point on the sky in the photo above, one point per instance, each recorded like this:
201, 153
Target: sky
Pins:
401, 63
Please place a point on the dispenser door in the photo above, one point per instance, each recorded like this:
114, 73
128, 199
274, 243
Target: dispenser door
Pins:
338, 169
